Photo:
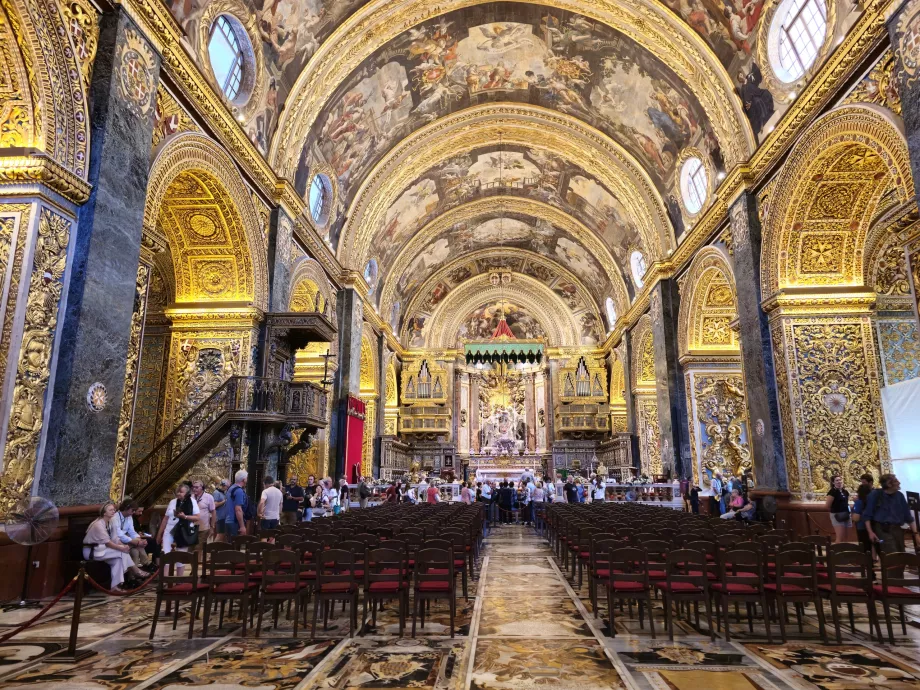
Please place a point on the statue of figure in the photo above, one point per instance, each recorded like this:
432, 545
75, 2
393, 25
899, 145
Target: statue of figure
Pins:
414, 468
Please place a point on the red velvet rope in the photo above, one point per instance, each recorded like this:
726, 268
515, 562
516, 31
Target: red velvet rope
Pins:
121, 592
29, 623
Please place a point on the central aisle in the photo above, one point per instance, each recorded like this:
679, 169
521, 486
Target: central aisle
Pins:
528, 626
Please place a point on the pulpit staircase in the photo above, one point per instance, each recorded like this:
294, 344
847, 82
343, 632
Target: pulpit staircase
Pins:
239, 399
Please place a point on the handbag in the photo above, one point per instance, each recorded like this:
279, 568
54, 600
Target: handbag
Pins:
185, 533
842, 516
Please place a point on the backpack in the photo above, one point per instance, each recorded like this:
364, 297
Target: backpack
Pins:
248, 512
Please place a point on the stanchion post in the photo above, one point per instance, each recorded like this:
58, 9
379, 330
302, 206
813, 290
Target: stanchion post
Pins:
72, 654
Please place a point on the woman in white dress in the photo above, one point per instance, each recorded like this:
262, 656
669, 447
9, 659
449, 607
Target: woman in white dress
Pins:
101, 543
177, 510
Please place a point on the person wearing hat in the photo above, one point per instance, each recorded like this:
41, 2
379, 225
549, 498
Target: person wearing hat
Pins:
220, 503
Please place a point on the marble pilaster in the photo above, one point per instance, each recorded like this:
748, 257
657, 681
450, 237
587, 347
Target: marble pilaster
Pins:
350, 320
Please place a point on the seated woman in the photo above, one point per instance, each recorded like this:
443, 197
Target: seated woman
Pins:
735, 504
101, 543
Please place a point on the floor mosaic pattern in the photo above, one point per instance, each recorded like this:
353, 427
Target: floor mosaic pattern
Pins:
525, 626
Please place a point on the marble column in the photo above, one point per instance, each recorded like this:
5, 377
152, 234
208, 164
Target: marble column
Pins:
279, 253
904, 31
78, 459
625, 351
672, 403
757, 362
530, 412
350, 320
551, 377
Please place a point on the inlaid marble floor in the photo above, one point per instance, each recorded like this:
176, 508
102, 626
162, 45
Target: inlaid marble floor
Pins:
523, 627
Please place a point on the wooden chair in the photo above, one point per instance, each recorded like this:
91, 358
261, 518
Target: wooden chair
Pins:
898, 588
228, 580
627, 578
280, 582
686, 581
741, 580
434, 579
386, 577
335, 581
173, 587
849, 576
796, 581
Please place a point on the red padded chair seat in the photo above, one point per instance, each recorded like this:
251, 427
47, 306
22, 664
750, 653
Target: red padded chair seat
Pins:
711, 576
657, 575
786, 589
434, 586
627, 586
279, 587
843, 589
584, 554
186, 588
233, 587
734, 588
896, 592
329, 587
387, 586
678, 586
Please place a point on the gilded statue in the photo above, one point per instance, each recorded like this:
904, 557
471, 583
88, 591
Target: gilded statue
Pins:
721, 411
414, 468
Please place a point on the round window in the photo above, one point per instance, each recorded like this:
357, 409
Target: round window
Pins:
693, 184
611, 313
320, 198
370, 274
231, 57
637, 263
797, 32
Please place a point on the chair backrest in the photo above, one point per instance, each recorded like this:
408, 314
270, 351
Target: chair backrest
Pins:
710, 551
628, 564
210, 549
657, 551
228, 567
169, 576
334, 565
288, 539
850, 569
344, 532
686, 566
385, 565
434, 565
894, 570
329, 541
443, 544
741, 568
239, 543
358, 548
370, 540
797, 567
266, 534
280, 565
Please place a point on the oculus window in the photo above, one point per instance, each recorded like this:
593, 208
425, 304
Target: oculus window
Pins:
611, 313
693, 184
230, 55
796, 35
320, 198
639, 267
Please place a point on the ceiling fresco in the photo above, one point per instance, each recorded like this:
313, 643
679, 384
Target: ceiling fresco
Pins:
508, 52
511, 171
500, 267
511, 231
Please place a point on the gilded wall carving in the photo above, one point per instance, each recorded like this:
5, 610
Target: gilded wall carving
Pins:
899, 345
14, 232
308, 279
707, 307
720, 421
169, 118
17, 125
827, 195
83, 24
126, 415
33, 370
881, 86
649, 435
833, 401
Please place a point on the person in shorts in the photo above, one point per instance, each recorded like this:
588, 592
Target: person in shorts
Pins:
270, 504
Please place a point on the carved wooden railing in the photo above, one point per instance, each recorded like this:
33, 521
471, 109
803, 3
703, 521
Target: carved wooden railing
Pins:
239, 398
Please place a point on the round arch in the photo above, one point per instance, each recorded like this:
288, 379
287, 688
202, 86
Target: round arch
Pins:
547, 307
480, 209
708, 306
827, 195
308, 278
197, 199
515, 125
647, 22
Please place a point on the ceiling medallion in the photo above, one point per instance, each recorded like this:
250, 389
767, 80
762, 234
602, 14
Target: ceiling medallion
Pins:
95, 397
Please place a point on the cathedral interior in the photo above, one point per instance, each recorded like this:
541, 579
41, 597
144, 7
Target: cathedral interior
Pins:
378, 238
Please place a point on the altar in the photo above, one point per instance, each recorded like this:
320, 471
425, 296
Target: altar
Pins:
507, 467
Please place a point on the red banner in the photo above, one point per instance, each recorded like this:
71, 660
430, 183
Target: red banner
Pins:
354, 439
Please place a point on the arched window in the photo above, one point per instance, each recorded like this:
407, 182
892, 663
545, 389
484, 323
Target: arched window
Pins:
639, 267
320, 198
693, 184
800, 27
226, 55
611, 313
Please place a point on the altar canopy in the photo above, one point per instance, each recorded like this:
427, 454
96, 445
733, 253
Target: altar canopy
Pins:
504, 348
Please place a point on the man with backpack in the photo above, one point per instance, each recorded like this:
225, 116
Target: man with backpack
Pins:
239, 511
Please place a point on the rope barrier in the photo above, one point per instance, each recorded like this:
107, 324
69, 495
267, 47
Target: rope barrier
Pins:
121, 592
29, 623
